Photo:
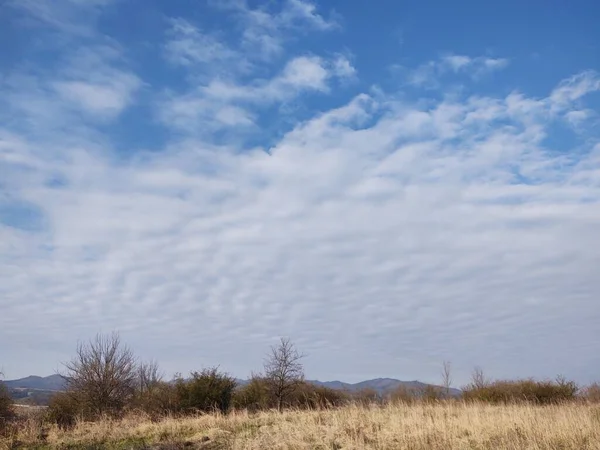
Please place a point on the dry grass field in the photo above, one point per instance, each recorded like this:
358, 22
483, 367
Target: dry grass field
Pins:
416, 427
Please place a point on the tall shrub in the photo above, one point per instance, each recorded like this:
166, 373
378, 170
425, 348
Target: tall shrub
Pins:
526, 391
6, 408
207, 391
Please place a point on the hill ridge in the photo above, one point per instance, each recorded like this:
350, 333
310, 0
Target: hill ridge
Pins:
382, 384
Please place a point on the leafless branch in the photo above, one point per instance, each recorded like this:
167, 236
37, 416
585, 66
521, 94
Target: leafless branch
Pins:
283, 370
149, 376
447, 376
478, 379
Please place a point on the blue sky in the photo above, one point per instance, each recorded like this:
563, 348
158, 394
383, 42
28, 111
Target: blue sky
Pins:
389, 186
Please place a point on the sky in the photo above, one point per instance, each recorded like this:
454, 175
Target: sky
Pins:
389, 184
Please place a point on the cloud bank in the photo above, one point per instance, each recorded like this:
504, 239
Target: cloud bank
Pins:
382, 235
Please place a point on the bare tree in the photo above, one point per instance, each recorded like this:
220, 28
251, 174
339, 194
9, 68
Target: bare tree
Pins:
148, 377
478, 379
103, 375
283, 370
447, 376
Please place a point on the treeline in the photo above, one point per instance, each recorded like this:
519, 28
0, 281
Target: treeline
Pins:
105, 379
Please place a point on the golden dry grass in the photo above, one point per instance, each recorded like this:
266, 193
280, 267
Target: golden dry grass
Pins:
416, 427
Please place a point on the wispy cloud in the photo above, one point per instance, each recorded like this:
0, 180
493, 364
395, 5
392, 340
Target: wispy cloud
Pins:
228, 77
265, 30
188, 45
71, 16
226, 103
458, 63
429, 74
105, 98
95, 85
573, 88
93, 81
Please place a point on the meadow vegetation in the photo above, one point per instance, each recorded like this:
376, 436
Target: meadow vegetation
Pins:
445, 425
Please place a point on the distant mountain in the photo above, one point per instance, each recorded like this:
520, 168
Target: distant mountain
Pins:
381, 385
49, 383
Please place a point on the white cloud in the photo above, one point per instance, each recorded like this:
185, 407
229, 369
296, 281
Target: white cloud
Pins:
343, 67
305, 13
69, 16
188, 45
196, 112
94, 81
475, 66
457, 62
225, 103
573, 88
225, 88
381, 231
301, 72
424, 76
576, 117
265, 31
393, 233
495, 63
104, 99
428, 75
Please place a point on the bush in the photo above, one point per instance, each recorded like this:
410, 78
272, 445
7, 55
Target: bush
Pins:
309, 396
403, 394
430, 393
102, 376
207, 391
6, 409
254, 396
591, 393
158, 401
63, 410
529, 391
366, 397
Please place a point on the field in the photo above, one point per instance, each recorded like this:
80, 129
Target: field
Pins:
444, 426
